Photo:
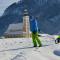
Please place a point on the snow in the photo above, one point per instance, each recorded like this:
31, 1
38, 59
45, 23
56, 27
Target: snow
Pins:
22, 49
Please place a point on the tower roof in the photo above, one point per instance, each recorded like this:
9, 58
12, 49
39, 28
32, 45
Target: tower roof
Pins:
26, 12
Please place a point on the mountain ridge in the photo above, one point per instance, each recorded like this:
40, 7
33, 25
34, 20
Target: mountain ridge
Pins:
46, 11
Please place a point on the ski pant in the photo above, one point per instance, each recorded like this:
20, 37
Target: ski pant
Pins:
36, 40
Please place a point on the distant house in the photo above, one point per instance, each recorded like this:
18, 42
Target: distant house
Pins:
14, 30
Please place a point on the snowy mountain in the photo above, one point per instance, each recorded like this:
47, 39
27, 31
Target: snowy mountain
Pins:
46, 11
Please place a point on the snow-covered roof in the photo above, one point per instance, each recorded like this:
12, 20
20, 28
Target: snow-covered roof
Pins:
16, 28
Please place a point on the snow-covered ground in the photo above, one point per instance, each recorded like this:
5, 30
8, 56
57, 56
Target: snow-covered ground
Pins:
22, 49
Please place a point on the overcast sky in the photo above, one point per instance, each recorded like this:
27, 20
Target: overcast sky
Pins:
4, 4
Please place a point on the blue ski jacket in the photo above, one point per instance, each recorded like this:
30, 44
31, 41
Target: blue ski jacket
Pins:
33, 25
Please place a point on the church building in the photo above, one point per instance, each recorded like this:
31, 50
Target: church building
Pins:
19, 29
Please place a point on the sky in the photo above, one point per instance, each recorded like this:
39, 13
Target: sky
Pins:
4, 4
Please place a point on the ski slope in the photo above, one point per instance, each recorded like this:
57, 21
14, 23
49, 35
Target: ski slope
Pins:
22, 49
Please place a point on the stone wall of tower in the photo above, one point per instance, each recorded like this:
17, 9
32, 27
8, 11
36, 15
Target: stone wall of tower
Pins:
26, 26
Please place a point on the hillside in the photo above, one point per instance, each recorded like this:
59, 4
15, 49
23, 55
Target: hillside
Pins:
46, 11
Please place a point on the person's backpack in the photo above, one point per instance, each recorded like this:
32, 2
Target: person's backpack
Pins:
57, 40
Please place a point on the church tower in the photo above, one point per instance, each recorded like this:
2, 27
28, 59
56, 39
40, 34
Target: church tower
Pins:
26, 24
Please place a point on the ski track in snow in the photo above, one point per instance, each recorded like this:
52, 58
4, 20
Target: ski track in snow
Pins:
22, 49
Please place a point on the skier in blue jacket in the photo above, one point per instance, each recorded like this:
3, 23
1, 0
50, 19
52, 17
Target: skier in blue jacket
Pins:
34, 30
